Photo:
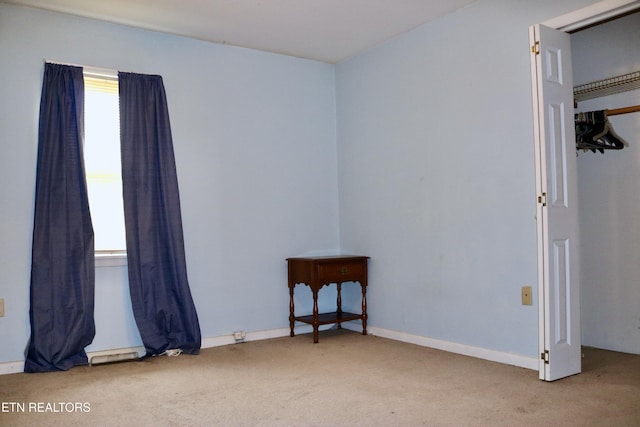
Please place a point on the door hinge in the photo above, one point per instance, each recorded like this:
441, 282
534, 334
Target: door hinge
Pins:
543, 199
545, 356
535, 49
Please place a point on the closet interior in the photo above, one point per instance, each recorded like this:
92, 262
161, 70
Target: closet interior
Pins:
606, 75
593, 130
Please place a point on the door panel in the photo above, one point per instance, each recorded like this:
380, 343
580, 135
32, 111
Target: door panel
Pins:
557, 215
558, 149
561, 282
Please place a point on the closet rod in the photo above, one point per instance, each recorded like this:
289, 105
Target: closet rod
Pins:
625, 110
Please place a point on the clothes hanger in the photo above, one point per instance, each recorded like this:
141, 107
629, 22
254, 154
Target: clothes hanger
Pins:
594, 132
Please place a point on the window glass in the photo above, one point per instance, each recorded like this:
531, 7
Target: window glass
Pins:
102, 163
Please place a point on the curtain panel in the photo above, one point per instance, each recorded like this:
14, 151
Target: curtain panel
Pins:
162, 303
63, 264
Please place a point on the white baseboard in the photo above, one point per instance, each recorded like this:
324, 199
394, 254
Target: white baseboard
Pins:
249, 336
11, 367
259, 335
18, 366
466, 350
478, 352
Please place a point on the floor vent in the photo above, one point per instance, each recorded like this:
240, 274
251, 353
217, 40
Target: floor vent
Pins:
113, 358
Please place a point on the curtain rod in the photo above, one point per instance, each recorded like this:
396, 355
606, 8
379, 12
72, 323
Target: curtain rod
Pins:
91, 71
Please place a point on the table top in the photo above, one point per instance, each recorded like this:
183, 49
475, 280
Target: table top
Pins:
345, 257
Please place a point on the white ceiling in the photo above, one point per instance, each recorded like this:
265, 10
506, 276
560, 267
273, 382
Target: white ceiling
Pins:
324, 30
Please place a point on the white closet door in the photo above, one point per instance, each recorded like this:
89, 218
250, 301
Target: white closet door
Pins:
558, 269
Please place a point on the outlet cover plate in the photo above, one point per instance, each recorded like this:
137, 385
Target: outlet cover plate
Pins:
526, 296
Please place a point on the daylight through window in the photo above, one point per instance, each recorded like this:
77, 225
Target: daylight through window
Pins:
102, 162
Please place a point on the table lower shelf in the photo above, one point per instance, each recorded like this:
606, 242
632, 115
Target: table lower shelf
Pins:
328, 318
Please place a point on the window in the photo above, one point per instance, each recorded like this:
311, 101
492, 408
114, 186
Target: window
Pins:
102, 162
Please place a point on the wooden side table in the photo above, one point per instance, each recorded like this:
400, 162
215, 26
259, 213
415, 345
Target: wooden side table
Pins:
317, 272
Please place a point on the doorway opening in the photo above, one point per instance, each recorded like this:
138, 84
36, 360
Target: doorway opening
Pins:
607, 186
556, 168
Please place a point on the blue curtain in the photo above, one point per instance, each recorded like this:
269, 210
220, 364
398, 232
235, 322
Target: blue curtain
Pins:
162, 303
62, 265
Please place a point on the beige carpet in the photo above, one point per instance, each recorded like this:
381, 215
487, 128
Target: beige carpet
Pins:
345, 380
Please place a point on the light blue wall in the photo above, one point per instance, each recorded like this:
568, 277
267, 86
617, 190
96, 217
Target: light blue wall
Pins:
436, 173
434, 163
255, 146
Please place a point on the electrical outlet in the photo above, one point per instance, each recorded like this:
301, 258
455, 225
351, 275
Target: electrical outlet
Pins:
526, 296
239, 336
1, 307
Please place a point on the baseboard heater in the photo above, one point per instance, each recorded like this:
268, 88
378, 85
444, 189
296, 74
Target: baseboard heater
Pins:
113, 358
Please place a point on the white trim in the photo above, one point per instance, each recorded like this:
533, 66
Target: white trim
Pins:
18, 366
593, 14
110, 260
258, 335
539, 160
451, 347
11, 367
229, 339
100, 73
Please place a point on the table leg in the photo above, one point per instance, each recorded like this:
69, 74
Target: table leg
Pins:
339, 304
315, 317
364, 308
291, 310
